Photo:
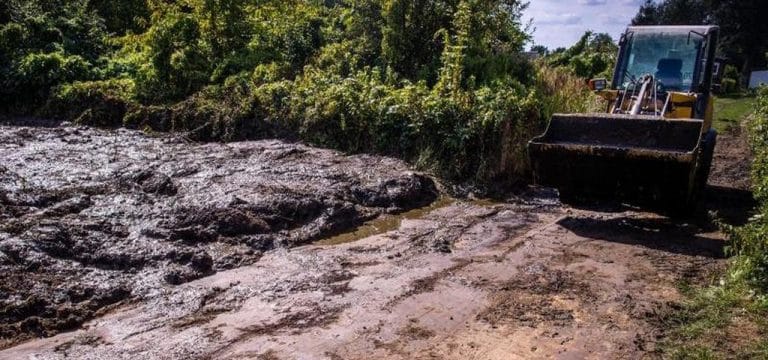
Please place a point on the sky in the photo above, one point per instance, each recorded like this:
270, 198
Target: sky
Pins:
562, 22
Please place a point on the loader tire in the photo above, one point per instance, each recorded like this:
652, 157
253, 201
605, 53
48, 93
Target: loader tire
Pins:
705, 163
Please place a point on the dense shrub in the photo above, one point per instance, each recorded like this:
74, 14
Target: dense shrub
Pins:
731, 82
729, 86
562, 92
750, 242
478, 134
45, 43
592, 56
97, 103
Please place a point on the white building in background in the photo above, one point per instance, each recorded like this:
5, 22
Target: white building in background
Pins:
758, 78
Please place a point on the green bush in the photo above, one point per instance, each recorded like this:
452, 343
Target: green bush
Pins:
37, 73
43, 44
592, 56
750, 242
731, 82
729, 86
97, 103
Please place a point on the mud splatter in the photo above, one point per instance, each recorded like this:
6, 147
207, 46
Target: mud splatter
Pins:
89, 217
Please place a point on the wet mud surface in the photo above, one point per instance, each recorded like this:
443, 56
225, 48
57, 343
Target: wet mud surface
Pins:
90, 218
516, 278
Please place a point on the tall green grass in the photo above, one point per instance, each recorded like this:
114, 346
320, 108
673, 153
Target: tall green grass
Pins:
731, 110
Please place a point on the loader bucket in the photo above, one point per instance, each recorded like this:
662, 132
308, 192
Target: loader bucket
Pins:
640, 160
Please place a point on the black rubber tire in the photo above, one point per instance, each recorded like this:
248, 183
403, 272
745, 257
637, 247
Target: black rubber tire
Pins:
705, 164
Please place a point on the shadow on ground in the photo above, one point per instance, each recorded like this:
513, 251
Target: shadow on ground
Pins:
655, 233
731, 205
680, 235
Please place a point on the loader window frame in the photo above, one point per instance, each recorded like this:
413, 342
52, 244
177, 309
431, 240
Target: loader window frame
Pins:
642, 51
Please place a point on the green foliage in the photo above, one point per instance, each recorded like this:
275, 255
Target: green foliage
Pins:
743, 29
592, 56
121, 17
177, 57
437, 82
45, 43
729, 320
409, 43
98, 103
709, 321
759, 139
36, 73
478, 134
731, 82
729, 86
750, 242
672, 12
489, 29
563, 92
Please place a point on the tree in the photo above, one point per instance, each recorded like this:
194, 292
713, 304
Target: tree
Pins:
414, 35
647, 15
744, 31
743, 28
5, 12
671, 12
122, 16
603, 43
540, 49
409, 43
593, 55
683, 12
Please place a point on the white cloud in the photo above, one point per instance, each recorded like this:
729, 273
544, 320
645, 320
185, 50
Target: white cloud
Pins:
561, 22
561, 19
592, 2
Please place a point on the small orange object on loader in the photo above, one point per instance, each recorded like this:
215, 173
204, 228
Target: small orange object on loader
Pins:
653, 146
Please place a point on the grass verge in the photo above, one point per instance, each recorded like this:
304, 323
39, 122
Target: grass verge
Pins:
730, 110
725, 321
730, 319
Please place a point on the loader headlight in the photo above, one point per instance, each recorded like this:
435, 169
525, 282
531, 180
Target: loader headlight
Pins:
598, 84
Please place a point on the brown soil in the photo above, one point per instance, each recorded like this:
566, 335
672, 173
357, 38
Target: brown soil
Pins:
732, 160
728, 194
526, 277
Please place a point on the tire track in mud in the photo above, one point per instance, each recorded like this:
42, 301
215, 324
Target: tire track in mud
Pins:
522, 282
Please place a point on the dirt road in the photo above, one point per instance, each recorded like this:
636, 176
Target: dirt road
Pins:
526, 277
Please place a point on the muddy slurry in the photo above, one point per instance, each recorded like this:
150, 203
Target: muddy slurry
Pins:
469, 280
91, 220
178, 250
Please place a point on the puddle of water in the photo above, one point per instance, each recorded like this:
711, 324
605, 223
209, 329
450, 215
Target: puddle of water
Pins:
385, 223
486, 202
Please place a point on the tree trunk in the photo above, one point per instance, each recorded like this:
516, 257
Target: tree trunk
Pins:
746, 71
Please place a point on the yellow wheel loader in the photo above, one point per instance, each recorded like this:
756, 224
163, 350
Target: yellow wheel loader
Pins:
653, 145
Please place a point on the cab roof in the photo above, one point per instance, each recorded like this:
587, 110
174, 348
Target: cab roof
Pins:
701, 29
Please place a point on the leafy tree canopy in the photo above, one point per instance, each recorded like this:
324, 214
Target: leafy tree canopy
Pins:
744, 29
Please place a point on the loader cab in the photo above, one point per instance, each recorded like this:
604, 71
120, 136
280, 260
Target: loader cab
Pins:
680, 59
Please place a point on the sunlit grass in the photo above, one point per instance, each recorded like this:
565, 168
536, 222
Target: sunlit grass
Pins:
715, 323
730, 110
